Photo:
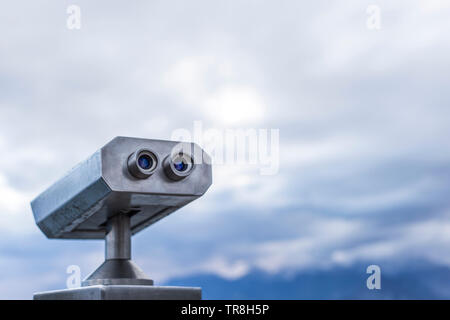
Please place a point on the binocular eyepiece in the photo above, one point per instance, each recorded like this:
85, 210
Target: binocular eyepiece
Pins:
144, 162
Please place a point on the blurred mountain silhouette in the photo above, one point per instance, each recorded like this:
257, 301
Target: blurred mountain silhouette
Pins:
420, 282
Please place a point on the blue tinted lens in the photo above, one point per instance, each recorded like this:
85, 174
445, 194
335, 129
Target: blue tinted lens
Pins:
145, 162
180, 165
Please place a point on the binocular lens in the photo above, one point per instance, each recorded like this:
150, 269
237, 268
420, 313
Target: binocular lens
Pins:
142, 163
180, 164
145, 162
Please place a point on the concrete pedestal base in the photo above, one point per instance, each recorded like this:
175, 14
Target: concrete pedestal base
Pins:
122, 292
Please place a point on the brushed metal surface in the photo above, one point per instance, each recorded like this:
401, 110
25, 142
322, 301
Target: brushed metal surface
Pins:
118, 237
117, 271
122, 292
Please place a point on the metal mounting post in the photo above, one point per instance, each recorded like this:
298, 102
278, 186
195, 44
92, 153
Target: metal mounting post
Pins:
118, 269
118, 278
118, 238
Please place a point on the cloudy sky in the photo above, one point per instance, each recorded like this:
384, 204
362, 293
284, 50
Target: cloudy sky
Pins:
363, 117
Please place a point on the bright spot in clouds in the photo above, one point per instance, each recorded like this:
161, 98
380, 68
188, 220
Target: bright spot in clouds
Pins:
235, 105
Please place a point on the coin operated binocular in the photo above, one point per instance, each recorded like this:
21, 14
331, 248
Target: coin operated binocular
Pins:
123, 188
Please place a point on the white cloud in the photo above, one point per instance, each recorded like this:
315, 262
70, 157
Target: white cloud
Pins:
220, 266
15, 212
235, 105
310, 250
427, 240
204, 81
